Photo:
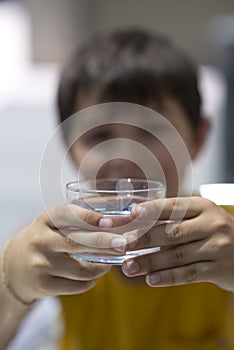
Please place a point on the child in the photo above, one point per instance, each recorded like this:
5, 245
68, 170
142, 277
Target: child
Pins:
122, 313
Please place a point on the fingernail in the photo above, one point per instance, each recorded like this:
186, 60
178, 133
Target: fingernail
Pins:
105, 223
138, 210
119, 244
131, 267
152, 279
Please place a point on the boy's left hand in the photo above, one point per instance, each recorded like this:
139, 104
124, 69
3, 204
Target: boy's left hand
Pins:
200, 248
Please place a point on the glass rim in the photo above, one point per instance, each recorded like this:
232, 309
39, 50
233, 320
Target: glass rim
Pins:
157, 185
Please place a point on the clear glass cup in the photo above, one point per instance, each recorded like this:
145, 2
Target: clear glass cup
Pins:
113, 198
221, 194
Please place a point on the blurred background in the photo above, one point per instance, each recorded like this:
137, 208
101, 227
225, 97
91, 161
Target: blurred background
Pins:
37, 37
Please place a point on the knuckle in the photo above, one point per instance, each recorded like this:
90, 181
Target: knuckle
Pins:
38, 241
191, 273
173, 233
100, 240
226, 243
208, 203
221, 225
173, 202
177, 256
85, 217
88, 217
223, 245
69, 242
147, 239
38, 264
172, 277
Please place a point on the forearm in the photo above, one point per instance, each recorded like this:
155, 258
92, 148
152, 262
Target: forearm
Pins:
11, 315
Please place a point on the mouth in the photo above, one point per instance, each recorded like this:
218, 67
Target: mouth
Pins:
120, 173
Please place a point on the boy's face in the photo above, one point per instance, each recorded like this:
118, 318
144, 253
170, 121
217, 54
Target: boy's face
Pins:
119, 167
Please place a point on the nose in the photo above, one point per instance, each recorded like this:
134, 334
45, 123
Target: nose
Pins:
121, 169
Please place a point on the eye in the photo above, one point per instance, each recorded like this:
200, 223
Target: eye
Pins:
94, 137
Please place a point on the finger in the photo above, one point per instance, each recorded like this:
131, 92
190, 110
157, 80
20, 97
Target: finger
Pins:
168, 234
99, 240
119, 221
63, 265
70, 215
77, 241
169, 258
134, 224
169, 208
63, 286
192, 273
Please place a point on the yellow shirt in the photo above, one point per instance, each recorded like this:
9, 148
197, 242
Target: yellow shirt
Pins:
118, 315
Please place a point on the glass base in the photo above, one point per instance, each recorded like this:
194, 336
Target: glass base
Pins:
100, 258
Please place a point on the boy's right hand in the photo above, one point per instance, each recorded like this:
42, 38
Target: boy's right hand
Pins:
38, 261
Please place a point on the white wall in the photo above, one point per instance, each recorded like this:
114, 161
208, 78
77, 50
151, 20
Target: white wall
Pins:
26, 123
58, 25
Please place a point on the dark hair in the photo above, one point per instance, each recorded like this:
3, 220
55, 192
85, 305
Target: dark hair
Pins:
130, 65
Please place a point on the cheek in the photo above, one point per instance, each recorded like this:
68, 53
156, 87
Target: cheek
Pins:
172, 165
162, 154
77, 154
168, 164
87, 160
170, 170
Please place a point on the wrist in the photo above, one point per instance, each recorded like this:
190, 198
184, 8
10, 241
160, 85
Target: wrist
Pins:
9, 290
